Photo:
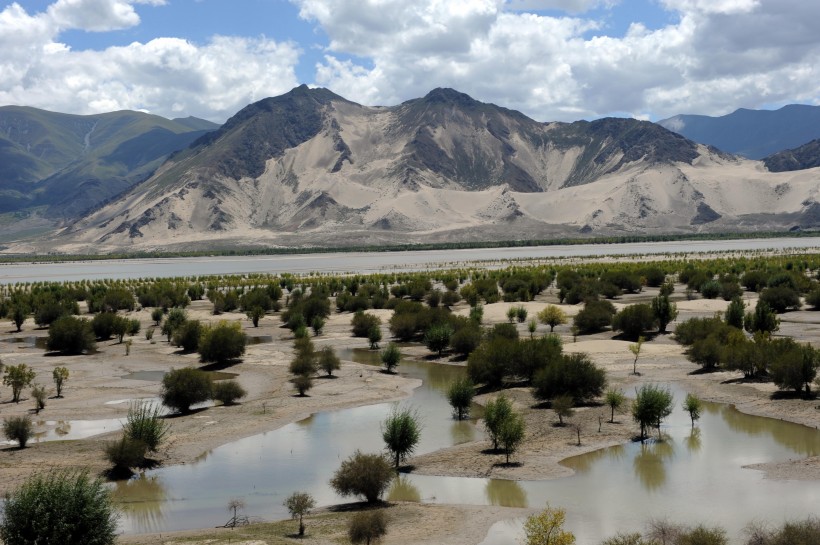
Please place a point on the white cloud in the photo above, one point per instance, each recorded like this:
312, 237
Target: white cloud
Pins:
166, 76
717, 56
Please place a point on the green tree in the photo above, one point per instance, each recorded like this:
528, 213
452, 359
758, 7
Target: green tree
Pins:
460, 395
781, 298
764, 319
187, 335
367, 527
735, 313
495, 413
634, 320
391, 356
563, 407
401, 432
636, 351
59, 507
299, 505
616, 400
70, 335
693, 406
175, 318
664, 311
374, 337
18, 428
552, 316
60, 376
511, 434
328, 360
18, 377
795, 367
438, 337
156, 315
222, 342
255, 314
366, 475
651, 405
182, 388
18, 314
546, 528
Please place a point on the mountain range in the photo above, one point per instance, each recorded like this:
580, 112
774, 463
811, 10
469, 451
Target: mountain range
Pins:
312, 168
754, 134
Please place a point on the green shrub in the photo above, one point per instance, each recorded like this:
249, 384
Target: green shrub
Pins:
362, 323
366, 475
228, 391
634, 320
59, 507
367, 527
391, 356
575, 375
187, 335
17, 428
595, 316
182, 388
460, 396
103, 325
144, 423
125, 454
222, 342
70, 335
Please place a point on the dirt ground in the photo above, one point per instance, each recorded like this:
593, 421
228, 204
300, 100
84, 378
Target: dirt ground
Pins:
96, 390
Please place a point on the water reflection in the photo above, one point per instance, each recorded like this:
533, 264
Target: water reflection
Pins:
693, 441
143, 500
505, 493
650, 463
585, 462
801, 439
403, 489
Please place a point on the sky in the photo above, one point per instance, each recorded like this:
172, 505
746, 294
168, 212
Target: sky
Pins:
554, 60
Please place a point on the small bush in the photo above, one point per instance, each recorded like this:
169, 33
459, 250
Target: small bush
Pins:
391, 356
367, 527
144, 423
17, 428
460, 395
595, 316
125, 453
228, 391
39, 394
366, 475
187, 335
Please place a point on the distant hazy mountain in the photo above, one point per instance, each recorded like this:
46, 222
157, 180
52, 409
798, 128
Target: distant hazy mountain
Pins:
312, 168
754, 134
70, 163
806, 156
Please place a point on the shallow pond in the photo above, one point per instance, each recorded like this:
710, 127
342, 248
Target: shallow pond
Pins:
692, 476
69, 430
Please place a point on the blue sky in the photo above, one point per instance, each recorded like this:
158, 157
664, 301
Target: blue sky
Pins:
551, 59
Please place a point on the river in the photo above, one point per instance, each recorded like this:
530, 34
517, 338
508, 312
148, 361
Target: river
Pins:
369, 262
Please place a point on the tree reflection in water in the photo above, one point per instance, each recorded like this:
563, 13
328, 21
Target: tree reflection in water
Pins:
585, 462
649, 463
143, 499
693, 441
403, 490
506, 493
